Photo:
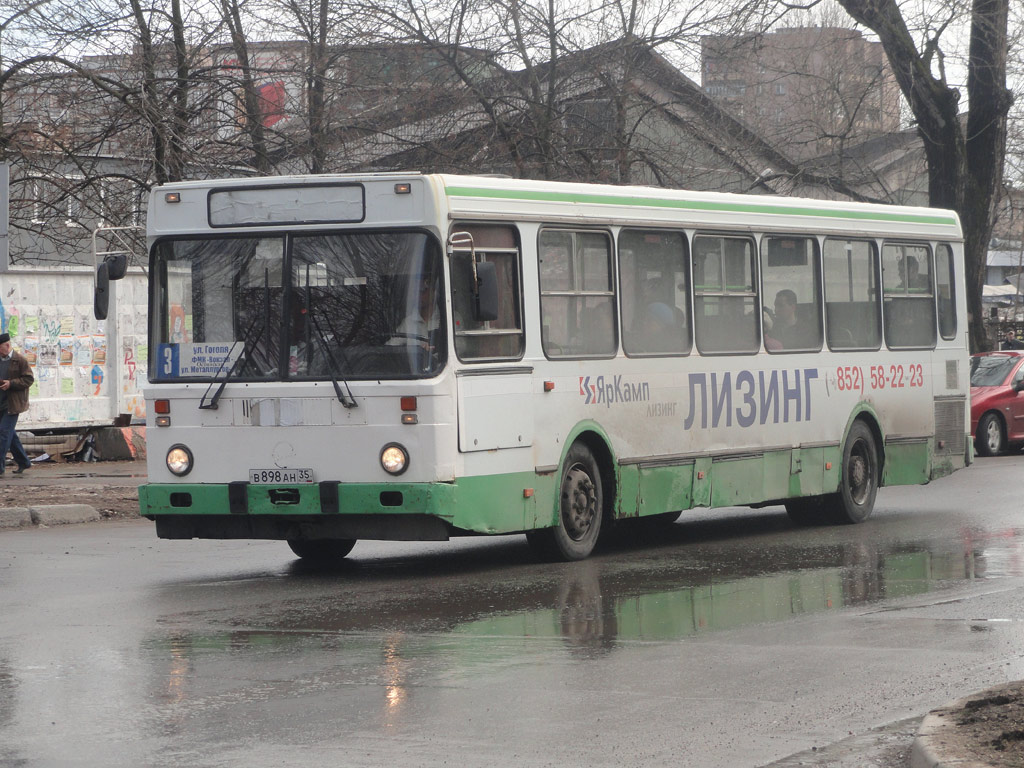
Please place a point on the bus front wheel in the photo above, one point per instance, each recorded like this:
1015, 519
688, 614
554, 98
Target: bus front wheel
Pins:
321, 550
580, 505
860, 473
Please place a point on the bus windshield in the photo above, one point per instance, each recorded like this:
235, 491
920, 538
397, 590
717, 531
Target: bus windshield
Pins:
275, 307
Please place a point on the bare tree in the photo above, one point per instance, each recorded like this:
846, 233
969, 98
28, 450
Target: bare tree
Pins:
965, 159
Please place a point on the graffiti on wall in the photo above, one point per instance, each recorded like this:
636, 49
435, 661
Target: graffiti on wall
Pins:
50, 319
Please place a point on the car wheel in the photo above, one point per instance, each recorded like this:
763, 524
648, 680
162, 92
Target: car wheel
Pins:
991, 438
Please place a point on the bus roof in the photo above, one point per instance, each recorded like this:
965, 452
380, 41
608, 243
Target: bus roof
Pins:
477, 196
494, 197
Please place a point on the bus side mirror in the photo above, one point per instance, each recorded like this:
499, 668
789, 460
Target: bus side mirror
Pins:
101, 298
117, 265
486, 304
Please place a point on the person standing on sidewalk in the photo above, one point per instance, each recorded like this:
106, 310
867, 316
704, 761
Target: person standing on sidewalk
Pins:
15, 379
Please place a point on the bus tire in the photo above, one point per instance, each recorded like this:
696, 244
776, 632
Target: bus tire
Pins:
580, 508
858, 484
808, 510
321, 550
991, 437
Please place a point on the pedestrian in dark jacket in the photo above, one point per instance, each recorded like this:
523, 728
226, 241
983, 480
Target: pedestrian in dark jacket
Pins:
15, 379
1011, 341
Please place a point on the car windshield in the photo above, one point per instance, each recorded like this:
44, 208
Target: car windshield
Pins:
991, 370
329, 306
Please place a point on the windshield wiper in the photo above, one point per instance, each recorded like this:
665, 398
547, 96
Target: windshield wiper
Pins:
345, 398
245, 342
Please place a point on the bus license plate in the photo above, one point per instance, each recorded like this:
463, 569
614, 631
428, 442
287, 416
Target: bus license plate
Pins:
270, 476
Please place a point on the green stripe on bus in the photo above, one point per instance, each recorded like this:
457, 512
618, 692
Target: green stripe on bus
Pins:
694, 205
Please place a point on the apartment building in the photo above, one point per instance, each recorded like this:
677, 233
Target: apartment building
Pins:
809, 90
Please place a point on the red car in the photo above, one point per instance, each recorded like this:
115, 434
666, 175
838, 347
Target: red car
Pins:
997, 401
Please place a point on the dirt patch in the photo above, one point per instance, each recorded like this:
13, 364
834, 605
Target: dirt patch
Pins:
110, 501
989, 729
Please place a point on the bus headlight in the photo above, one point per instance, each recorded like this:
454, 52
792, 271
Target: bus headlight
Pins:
179, 460
394, 458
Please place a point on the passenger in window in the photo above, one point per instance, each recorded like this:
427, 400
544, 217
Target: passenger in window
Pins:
786, 331
657, 331
910, 274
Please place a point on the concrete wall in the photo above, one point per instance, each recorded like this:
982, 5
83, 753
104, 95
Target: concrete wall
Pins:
87, 371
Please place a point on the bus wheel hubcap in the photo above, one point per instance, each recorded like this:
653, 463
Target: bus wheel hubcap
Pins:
579, 503
859, 472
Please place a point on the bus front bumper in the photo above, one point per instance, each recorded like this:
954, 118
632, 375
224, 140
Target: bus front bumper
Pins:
330, 510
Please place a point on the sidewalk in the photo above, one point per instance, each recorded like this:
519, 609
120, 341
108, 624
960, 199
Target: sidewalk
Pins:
54, 493
48, 473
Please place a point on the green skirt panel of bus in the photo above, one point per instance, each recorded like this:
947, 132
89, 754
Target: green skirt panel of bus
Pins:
509, 503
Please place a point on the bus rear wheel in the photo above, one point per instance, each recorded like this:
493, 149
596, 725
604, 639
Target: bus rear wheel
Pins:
858, 485
580, 507
321, 550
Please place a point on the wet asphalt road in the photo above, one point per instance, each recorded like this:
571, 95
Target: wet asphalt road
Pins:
729, 639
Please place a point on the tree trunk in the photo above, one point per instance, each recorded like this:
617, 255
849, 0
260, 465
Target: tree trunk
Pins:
965, 168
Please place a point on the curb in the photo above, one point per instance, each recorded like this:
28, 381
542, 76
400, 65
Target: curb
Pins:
931, 745
47, 514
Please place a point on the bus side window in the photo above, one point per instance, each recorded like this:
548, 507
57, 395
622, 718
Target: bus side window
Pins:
577, 301
790, 283
724, 299
655, 293
908, 301
945, 291
501, 338
853, 314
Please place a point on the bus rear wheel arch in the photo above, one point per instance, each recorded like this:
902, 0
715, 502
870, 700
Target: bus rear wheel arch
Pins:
580, 509
324, 551
860, 477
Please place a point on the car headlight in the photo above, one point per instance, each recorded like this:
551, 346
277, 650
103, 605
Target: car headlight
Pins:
179, 460
394, 458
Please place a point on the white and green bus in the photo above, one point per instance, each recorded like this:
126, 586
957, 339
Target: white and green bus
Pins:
417, 357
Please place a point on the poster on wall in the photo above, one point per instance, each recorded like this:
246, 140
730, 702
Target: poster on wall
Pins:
83, 350
31, 350
99, 349
47, 354
67, 350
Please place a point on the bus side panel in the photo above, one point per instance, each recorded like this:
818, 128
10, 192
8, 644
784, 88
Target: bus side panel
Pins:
906, 463
665, 489
808, 477
508, 503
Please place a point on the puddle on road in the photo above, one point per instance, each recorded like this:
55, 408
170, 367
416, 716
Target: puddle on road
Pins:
651, 595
